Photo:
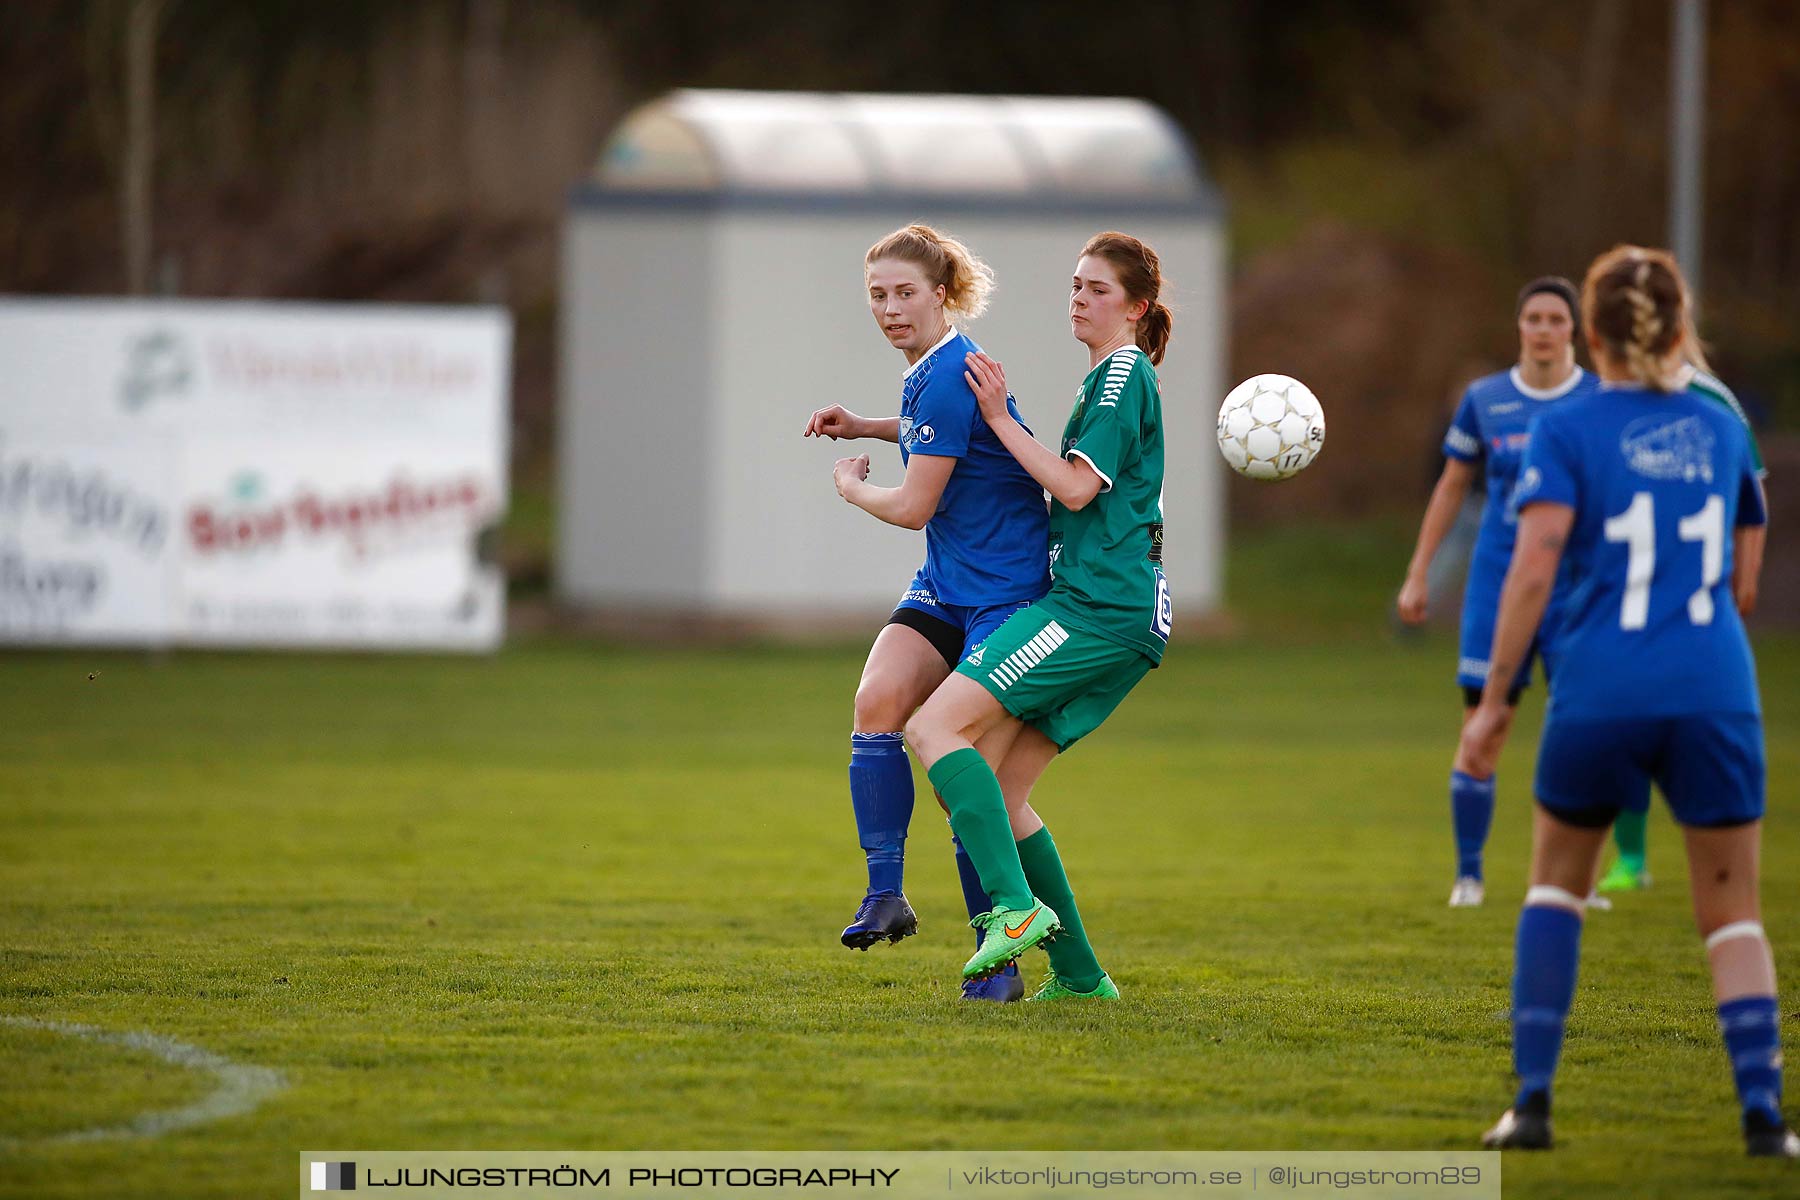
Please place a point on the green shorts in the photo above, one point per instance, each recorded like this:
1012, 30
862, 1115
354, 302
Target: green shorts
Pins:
1061, 681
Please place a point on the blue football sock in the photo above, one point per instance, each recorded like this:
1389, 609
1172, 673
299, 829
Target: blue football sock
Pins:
1543, 989
1471, 813
974, 895
881, 793
1753, 1040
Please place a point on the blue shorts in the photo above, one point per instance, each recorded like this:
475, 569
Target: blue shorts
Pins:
1480, 612
973, 623
1709, 767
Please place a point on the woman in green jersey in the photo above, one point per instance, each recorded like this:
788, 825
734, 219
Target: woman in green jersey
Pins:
1054, 671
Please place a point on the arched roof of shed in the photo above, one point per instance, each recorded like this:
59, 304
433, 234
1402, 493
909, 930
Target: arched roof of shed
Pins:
844, 146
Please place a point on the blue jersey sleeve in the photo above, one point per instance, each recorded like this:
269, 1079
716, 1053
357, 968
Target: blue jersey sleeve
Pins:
1462, 441
1550, 472
946, 416
1752, 508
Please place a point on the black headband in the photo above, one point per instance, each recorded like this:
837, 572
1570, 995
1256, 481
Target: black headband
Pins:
1553, 285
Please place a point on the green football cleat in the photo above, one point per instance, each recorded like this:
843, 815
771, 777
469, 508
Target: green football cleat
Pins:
1623, 877
1053, 988
1009, 932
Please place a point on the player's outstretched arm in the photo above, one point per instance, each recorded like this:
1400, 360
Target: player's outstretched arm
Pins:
911, 504
1072, 481
1440, 514
837, 422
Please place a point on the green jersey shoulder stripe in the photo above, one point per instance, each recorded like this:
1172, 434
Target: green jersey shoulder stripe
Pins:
1117, 372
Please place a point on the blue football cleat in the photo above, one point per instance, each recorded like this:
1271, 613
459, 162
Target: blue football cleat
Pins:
1003, 988
884, 917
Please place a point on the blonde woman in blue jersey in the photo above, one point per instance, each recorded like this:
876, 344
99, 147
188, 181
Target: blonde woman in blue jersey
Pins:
1630, 869
1649, 488
1055, 670
986, 542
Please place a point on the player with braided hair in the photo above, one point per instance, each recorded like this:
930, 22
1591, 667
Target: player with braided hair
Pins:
1630, 869
1647, 487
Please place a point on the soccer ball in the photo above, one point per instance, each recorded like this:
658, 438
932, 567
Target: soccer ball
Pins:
1270, 427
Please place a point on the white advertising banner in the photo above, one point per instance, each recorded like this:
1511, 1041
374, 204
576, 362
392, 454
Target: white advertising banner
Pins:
252, 474
87, 530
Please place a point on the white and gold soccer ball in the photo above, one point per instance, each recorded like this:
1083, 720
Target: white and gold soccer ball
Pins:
1271, 427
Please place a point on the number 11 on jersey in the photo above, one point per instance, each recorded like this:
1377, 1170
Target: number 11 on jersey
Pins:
1636, 527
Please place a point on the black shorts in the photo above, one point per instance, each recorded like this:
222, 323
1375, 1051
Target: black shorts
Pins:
1472, 696
944, 637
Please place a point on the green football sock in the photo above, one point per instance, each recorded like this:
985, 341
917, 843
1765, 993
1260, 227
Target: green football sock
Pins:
1628, 835
978, 814
1071, 955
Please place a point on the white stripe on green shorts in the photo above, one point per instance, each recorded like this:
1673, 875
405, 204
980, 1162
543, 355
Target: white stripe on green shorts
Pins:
1012, 668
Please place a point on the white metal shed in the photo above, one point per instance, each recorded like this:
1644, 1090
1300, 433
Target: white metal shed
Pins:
712, 298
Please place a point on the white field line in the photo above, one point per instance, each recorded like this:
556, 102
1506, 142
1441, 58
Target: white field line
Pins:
240, 1088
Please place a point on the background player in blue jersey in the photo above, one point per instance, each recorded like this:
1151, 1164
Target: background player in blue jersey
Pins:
1645, 488
986, 552
1492, 427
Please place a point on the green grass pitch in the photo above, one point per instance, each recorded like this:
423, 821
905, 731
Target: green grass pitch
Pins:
588, 898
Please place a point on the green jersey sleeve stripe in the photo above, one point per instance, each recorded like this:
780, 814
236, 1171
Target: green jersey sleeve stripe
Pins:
1709, 385
1116, 375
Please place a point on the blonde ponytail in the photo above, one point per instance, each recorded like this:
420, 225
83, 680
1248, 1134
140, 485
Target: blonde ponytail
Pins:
946, 263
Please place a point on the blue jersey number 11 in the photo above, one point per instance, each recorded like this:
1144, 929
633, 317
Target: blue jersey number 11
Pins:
1636, 527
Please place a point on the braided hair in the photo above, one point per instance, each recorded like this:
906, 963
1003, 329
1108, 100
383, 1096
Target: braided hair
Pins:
1636, 302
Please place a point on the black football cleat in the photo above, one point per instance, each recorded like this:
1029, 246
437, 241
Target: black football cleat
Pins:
1769, 1139
1526, 1127
1004, 988
885, 917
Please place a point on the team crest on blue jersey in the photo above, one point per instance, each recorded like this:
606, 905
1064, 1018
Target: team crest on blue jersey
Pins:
915, 435
1659, 448
1529, 482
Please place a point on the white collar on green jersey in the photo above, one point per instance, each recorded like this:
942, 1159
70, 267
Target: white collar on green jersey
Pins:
1560, 390
948, 334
